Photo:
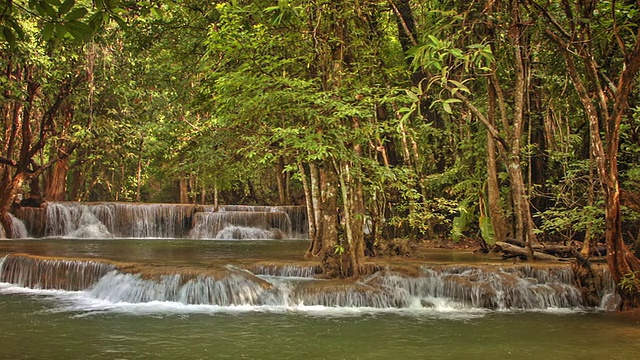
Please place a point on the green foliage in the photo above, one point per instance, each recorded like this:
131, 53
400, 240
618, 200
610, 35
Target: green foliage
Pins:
630, 282
567, 222
486, 230
462, 222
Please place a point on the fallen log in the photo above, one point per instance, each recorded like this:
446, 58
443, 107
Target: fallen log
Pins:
559, 250
521, 252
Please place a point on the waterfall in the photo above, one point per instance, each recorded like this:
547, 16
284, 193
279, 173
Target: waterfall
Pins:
233, 289
76, 220
59, 274
152, 220
296, 219
609, 298
124, 220
249, 222
18, 229
286, 270
428, 288
522, 288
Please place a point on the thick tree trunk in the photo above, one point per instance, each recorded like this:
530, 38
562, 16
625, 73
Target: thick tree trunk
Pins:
330, 253
353, 214
56, 180
9, 187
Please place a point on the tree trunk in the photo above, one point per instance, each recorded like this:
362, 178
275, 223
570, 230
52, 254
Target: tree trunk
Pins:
139, 172
282, 182
315, 220
496, 211
55, 185
309, 201
331, 256
353, 213
184, 191
9, 187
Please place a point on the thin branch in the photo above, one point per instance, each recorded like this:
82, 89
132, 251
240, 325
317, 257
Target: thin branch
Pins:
405, 27
616, 32
550, 18
492, 129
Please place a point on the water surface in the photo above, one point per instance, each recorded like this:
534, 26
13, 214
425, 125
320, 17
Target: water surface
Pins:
54, 324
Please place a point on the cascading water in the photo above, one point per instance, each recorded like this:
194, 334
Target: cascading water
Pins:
77, 220
432, 288
60, 274
241, 225
152, 220
122, 220
18, 229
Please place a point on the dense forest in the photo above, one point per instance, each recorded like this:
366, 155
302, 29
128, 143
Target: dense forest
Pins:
389, 120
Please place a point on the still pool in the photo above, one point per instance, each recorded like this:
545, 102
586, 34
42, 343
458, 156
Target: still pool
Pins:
38, 323
37, 327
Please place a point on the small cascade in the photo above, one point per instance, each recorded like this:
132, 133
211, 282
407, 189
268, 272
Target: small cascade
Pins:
243, 224
236, 288
35, 273
609, 299
18, 229
523, 288
152, 220
286, 270
434, 288
297, 216
34, 219
76, 220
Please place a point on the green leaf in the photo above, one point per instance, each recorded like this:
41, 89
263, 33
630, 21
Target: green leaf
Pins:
413, 96
447, 108
76, 14
45, 9
47, 31
486, 230
157, 13
9, 36
119, 20
61, 30
434, 40
65, 7
96, 21
79, 31
17, 29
